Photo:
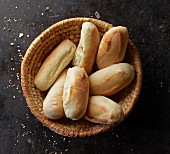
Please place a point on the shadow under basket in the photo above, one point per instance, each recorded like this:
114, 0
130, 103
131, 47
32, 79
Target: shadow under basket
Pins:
42, 46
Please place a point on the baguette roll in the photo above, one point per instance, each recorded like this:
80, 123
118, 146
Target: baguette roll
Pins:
112, 79
112, 47
53, 103
103, 110
54, 64
85, 54
76, 93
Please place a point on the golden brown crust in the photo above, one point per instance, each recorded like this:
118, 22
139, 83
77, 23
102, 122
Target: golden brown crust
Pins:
112, 47
103, 110
112, 79
76, 93
54, 64
87, 49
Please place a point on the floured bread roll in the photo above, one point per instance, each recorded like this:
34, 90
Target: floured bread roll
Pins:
112, 47
112, 79
103, 110
53, 103
54, 64
87, 49
76, 93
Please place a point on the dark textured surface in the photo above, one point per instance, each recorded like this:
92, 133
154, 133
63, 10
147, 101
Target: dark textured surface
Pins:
146, 131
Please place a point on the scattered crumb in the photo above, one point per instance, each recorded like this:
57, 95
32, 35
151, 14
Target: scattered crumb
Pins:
12, 85
12, 44
23, 126
161, 84
28, 35
9, 20
46, 150
21, 35
12, 69
47, 8
17, 87
97, 15
10, 82
14, 96
18, 75
4, 28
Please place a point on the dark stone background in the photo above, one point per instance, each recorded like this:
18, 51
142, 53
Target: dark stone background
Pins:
146, 131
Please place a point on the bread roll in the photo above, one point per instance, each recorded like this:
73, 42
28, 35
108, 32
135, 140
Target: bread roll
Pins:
103, 110
87, 49
53, 103
76, 93
112, 79
54, 64
112, 47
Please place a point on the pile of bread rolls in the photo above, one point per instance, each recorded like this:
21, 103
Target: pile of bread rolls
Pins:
79, 92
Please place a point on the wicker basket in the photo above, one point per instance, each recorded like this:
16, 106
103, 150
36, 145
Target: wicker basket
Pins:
41, 47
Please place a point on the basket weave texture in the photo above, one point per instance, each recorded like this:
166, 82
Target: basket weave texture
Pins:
41, 47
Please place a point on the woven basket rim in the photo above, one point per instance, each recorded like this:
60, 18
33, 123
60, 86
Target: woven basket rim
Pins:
34, 109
